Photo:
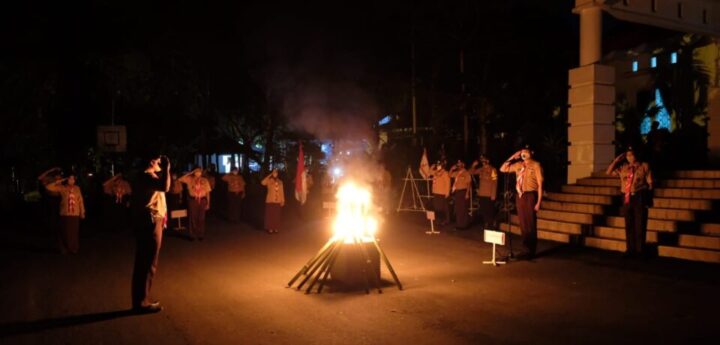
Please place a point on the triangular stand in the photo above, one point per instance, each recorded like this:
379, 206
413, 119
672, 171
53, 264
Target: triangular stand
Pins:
417, 203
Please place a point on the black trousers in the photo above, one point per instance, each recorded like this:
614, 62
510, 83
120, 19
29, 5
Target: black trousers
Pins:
487, 210
148, 237
636, 215
528, 220
440, 205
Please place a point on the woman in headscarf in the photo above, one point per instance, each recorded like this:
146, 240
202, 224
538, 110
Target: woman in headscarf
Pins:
72, 209
198, 201
274, 201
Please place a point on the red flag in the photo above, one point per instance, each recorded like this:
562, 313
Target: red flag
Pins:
300, 178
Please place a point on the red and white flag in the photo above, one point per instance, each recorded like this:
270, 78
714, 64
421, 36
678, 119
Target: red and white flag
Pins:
424, 165
301, 179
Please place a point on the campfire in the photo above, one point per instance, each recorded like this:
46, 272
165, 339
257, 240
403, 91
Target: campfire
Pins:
353, 252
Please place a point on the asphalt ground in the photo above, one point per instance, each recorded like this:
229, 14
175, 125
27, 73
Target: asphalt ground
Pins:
232, 289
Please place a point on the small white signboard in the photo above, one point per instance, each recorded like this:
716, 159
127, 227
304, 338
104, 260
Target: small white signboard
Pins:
494, 237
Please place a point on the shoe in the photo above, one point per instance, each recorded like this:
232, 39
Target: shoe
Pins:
153, 307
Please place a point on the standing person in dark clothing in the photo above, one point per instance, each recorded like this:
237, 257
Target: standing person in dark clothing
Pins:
529, 186
636, 183
149, 217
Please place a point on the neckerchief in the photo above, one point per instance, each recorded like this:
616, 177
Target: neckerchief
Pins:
520, 178
629, 183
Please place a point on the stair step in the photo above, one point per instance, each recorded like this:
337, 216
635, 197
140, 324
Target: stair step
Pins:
580, 198
576, 189
601, 174
671, 214
693, 254
569, 217
699, 241
653, 224
555, 226
687, 204
710, 229
691, 183
619, 234
697, 174
599, 181
542, 234
572, 207
687, 193
605, 243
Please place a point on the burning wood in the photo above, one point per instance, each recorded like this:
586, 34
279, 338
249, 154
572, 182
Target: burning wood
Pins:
353, 244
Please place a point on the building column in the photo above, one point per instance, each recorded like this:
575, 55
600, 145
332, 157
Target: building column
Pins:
591, 98
714, 126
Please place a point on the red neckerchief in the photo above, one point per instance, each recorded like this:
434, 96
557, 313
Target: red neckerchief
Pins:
71, 201
520, 178
629, 183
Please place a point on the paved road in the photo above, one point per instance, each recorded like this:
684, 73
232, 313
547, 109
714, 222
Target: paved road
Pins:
230, 289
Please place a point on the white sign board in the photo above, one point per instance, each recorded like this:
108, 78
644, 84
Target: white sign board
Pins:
430, 215
178, 214
494, 237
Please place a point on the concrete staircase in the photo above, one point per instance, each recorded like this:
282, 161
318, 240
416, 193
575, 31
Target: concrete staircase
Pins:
684, 222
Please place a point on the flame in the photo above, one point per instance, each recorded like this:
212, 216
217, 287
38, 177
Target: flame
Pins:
354, 221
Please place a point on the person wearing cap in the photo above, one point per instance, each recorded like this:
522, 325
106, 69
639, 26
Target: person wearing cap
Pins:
461, 190
119, 191
72, 209
636, 183
149, 216
274, 201
441, 191
486, 189
235, 193
529, 187
198, 201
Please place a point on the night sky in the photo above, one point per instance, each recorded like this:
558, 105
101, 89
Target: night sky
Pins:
171, 68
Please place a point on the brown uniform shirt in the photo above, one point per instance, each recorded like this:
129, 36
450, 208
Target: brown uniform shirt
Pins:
441, 182
532, 177
642, 178
487, 180
462, 179
71, 200
275, 192
198, 187
236, 183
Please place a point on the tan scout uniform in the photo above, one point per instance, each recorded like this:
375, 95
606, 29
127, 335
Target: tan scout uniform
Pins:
72, 209
198, 203
486, 192
236, 192
461, 196
528, 182
441, 192
274, 201
635, 183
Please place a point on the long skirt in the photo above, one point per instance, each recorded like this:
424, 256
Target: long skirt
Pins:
273, 212
462, 218
68, 238
234, 206
197, 210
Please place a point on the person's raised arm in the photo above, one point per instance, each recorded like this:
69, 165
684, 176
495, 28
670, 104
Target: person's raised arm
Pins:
611, 168
507, 165
47, 172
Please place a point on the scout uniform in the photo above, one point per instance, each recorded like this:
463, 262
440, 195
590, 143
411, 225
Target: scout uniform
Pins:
72, 209
441, 192
461, 196
635, 182
235, 194
198, 203
486, 192
528, 179
274, 201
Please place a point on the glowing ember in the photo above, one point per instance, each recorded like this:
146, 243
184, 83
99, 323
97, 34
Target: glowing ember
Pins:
354, 222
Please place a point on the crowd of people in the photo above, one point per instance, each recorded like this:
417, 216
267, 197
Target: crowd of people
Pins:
155, 193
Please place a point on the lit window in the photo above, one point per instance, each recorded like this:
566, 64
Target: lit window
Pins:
673, 58
653, 61
635, 66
